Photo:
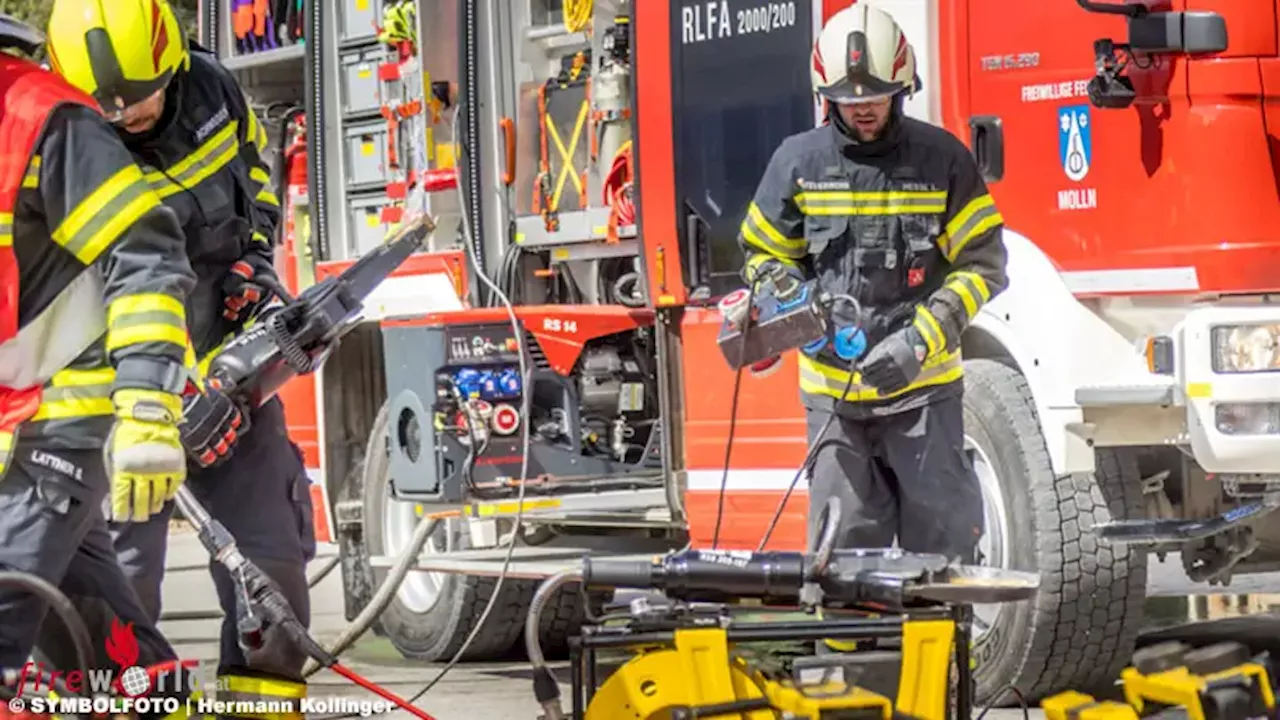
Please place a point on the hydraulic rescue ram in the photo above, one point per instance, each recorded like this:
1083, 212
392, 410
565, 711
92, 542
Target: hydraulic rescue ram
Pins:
289, 340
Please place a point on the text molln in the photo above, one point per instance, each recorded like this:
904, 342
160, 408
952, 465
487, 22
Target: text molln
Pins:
1078, 199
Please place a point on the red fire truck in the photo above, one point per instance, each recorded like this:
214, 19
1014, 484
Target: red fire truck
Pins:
1123, 388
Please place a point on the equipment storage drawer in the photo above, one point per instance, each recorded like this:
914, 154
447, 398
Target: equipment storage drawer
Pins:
361, 90
366, 155
358, 18
365, 228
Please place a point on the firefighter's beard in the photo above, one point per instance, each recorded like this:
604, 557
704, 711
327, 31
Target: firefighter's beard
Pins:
867, 121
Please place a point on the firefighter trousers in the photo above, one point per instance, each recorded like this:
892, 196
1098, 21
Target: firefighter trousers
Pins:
52, 526
261, 495
905, 476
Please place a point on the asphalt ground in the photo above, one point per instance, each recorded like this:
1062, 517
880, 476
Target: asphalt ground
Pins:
502, 691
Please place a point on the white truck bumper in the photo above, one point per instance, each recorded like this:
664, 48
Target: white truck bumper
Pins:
1233, 418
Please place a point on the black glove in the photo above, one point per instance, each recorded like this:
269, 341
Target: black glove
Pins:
243, 291
895, 361
212, 423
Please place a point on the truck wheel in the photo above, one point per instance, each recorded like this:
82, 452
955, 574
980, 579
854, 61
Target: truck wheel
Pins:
433, 613
1079, 631
564, 616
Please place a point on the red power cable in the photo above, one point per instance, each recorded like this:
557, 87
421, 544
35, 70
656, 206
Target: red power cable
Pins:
369, 685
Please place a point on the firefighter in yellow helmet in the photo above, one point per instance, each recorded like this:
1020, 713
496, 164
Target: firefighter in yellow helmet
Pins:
92, 334
894, 212
190, 127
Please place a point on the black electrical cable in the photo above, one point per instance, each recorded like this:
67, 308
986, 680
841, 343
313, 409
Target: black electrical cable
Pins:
818, 443
1022, 702
733, 409
61, 606
818, 440
526, 378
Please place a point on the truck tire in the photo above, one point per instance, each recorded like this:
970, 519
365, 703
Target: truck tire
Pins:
1080, 629
564, 616
434, 628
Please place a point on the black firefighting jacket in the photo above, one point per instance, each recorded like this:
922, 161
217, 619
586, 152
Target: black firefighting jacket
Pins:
204, 159
906, 226
87, 228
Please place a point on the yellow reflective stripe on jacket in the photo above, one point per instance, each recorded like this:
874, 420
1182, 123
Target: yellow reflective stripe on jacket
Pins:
249, 696
6, 450
929, 328
105, 214
145, 318
254, 134
197, 167
972, 289
32, 179
761, 234
6, 229
260, 176
817, 378
75, 394
979, 216
756, 260
893, 202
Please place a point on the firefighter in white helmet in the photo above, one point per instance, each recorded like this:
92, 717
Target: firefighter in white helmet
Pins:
895, 213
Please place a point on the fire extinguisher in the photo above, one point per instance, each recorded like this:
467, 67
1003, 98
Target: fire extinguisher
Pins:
291, 187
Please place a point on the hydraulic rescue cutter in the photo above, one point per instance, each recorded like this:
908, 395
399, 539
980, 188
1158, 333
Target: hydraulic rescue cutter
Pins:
291, 339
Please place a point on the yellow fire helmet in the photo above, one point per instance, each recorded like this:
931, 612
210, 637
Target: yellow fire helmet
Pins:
120, 57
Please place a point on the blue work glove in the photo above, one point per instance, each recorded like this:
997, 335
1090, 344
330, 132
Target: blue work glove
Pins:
212, 425
895, 362
243, 291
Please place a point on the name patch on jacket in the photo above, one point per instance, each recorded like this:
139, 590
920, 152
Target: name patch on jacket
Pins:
817, 185
219, 119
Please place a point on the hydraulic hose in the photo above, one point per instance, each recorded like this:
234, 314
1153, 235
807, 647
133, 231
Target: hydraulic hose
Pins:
623, 289
545, 688
382, 598
61, 606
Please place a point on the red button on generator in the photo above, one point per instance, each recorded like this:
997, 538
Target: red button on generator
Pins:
506, 419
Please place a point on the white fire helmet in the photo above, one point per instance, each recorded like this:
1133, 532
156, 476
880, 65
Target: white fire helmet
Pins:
862, 55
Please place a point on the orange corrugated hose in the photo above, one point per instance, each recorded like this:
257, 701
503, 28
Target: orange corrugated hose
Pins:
617, 192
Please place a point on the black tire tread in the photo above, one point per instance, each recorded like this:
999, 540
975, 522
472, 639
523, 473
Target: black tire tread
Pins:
1089, 610
502, 628
560, 619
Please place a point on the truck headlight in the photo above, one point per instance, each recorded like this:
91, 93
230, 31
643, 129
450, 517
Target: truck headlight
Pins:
1247, 418
1246, 348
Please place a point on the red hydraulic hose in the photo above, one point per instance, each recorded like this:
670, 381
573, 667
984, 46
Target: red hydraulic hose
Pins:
369, 685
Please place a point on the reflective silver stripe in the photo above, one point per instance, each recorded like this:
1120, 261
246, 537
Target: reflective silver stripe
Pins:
828, 202
63, 330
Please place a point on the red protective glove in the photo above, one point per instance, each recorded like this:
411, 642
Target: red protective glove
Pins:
212, 424
243, 292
